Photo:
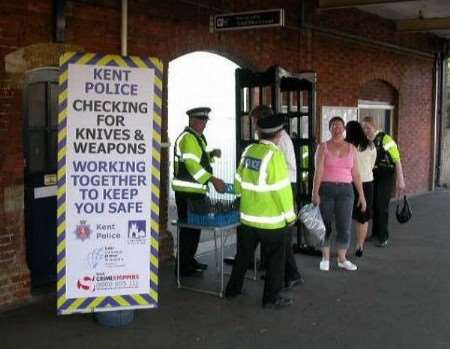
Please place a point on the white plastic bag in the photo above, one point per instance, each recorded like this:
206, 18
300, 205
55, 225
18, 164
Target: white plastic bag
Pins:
311, 218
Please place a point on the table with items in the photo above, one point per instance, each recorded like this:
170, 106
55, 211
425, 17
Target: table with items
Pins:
218, 216
220, 231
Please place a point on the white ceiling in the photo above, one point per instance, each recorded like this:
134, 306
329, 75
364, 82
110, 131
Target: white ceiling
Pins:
410, 10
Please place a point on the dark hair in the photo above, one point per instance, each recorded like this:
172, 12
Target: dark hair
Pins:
355, 135
261, 111
334, 119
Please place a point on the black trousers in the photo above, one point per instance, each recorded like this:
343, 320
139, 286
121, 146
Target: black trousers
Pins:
291, 271
189, 238
383, 185
273, 249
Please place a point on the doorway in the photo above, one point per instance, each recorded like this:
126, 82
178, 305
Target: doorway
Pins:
40, 105
203, 79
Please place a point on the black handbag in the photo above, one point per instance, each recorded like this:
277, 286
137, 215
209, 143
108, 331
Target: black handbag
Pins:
404, 213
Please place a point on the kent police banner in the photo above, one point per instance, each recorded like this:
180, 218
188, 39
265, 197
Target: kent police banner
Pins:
109, 137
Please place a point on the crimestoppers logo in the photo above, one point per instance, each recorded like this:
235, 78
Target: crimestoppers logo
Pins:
86, 283
136, 232
83, 231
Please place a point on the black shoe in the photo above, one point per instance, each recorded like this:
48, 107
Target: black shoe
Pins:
197, 265
359, 252
383, 244
295, 282
233, 295
280, 302
192, 272
229, 260
189, 272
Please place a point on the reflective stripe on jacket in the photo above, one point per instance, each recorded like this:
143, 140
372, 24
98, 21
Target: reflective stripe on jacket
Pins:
192, 163
262, 181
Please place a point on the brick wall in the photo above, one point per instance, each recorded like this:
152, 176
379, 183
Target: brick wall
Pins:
380, 91
169, 29
14, 274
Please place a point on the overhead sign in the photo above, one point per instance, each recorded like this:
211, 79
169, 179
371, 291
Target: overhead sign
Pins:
248, 20
108, 182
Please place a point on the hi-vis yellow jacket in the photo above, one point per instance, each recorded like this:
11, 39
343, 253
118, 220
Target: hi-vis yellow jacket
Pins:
262, 181
192, 163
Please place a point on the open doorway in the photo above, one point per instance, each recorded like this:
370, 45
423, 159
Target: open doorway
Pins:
203, 79
40, 135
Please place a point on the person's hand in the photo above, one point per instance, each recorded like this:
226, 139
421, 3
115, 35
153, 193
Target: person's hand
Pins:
315, 199
400, 185
218, 184
362, 204
217, 153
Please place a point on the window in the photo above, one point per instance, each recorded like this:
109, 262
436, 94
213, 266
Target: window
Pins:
381, 112
41, 117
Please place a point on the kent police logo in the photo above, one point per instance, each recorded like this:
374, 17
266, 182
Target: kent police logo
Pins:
83, 231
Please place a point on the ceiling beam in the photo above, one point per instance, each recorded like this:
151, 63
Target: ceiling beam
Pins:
332, 4
423, 24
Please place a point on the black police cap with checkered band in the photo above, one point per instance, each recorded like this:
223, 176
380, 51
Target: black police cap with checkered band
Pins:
271, 124
199, 113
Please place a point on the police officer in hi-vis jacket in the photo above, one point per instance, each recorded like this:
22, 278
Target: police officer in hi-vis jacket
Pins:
192, 173
266, 209
387, 172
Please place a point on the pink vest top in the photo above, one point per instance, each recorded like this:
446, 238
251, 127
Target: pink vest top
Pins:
337, 169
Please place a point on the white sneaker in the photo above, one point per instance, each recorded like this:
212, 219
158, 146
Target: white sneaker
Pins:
347, 265
324, 265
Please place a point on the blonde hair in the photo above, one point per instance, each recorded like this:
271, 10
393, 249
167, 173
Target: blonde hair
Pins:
370, 120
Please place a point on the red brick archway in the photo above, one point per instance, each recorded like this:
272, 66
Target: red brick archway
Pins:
378, 90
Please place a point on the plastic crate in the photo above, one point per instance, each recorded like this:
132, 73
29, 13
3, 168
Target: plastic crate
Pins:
208, 212
213, 219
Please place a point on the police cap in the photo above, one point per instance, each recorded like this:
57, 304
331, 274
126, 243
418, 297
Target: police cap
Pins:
271, 124
199, 113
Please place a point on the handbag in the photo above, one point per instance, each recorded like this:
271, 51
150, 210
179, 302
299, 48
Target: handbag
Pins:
404, 213
311, 218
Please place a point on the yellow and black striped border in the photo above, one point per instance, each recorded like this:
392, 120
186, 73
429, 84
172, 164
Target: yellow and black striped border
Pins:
89, 304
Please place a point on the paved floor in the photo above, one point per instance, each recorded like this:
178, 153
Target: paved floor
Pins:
399, 298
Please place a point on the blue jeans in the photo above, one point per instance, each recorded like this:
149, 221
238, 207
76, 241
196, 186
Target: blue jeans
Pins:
336, 199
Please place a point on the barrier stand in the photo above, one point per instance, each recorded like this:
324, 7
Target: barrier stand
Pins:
116, 318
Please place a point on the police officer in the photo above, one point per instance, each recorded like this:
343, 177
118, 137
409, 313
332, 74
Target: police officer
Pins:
388, 168
285, 144
192, 173
267, 209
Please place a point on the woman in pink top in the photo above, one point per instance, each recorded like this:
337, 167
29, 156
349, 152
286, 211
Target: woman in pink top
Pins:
336, 169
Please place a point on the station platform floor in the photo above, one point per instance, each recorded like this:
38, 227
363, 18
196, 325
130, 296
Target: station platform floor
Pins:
398, 298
